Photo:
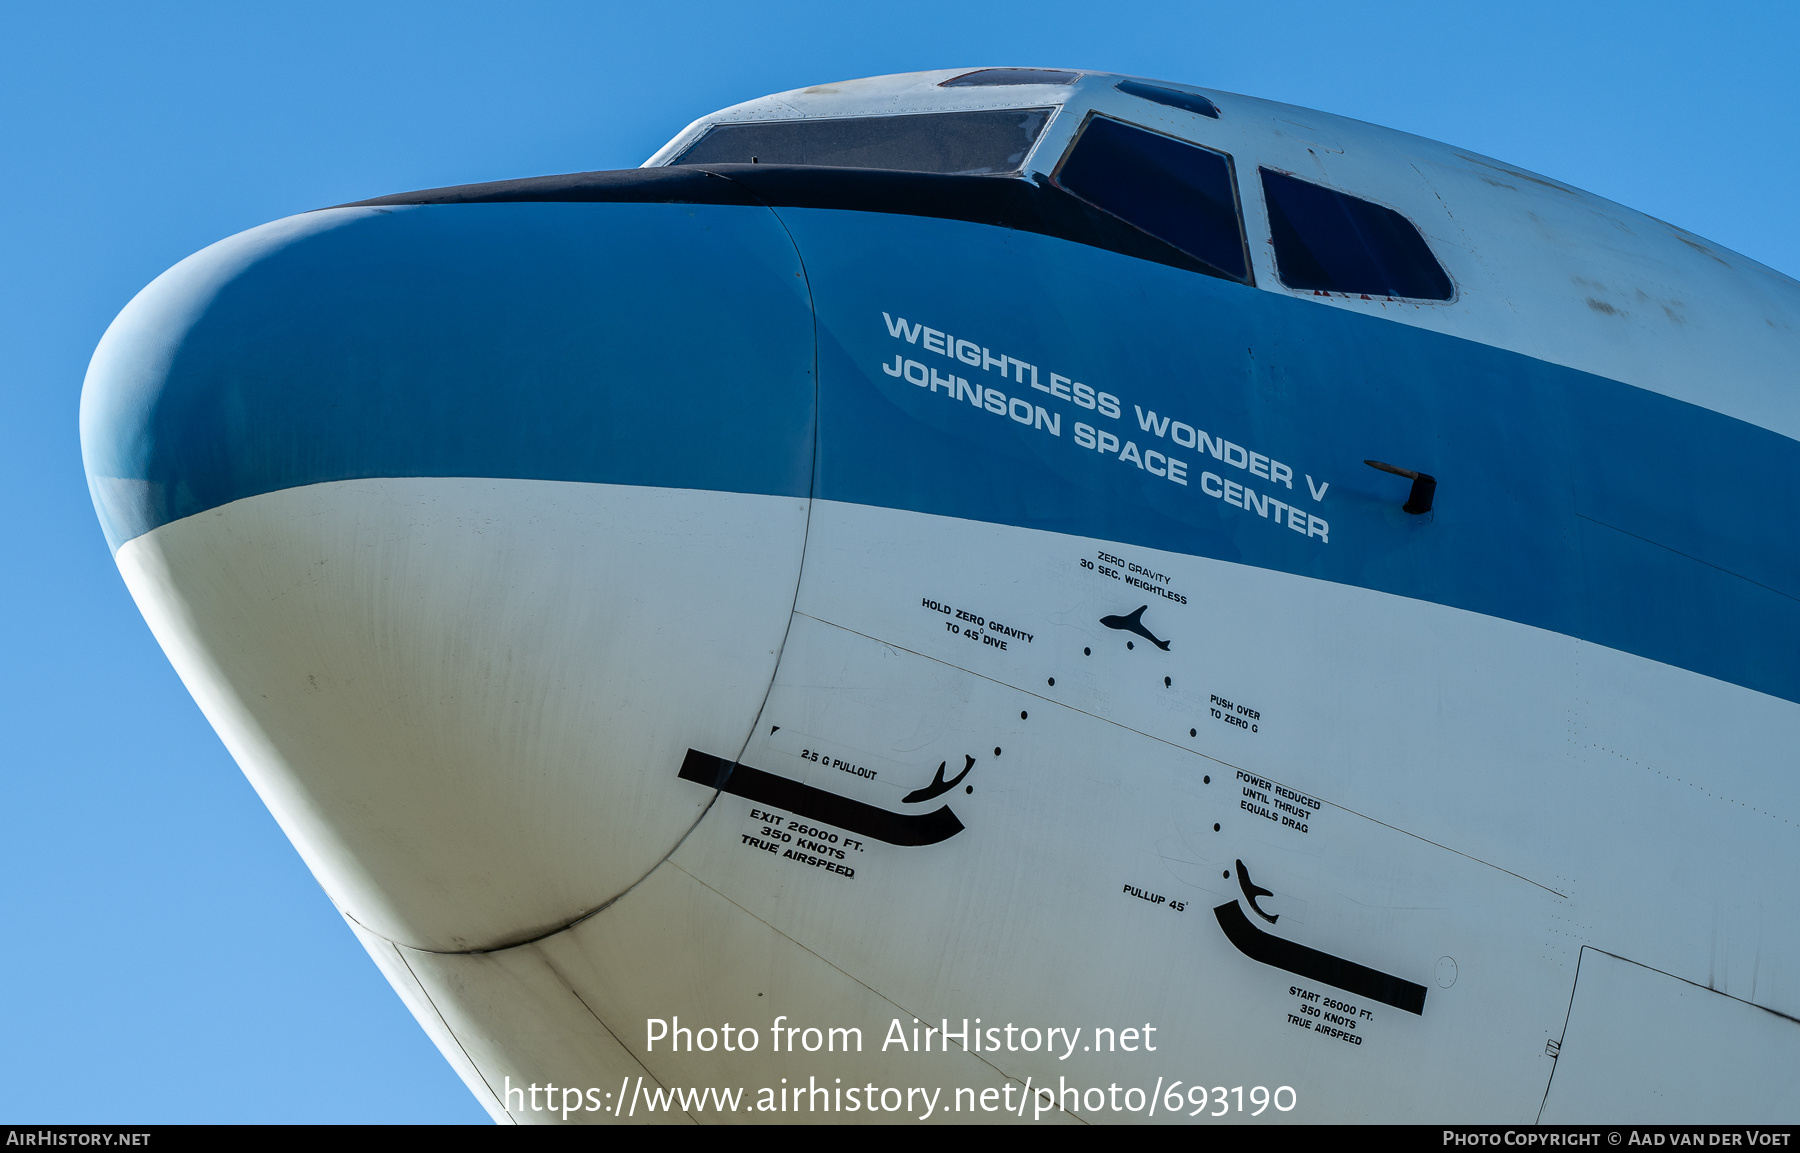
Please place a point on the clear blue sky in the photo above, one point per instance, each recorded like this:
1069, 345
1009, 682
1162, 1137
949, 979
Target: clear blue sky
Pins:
167, 957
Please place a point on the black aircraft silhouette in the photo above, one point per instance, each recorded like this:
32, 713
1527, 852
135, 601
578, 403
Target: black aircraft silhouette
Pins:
1135, 624
1252, 891
938, 785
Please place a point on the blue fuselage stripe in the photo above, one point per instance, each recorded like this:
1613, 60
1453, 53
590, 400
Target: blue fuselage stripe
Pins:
1566, 500
649, 344
964, 370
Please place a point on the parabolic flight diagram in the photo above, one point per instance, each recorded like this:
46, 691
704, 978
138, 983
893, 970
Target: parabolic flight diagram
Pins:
1233, 595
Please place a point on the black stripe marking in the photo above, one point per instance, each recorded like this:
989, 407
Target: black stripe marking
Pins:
879, 824
1282, 953
1035, 205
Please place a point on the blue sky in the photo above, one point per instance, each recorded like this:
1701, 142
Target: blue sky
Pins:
168, 957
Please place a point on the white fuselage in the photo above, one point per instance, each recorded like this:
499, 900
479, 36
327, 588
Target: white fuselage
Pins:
469, 696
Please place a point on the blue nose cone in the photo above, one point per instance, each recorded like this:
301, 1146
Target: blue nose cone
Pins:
627, 343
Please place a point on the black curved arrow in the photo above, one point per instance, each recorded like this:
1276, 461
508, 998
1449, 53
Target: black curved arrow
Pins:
1253, 891
743, 781
1282, 953
1134, 623
938, 786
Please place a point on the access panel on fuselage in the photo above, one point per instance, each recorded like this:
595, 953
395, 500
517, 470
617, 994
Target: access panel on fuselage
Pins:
971, 851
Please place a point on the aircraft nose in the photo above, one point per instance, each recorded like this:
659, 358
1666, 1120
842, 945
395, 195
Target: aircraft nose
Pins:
462, 523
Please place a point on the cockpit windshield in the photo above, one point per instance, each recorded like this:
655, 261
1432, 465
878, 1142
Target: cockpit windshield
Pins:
990, 142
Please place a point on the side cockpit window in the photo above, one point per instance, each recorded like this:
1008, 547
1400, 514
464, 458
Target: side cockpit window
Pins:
1180, 193
1327, 241
990, 142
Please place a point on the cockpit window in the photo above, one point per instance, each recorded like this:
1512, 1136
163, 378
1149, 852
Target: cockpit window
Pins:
1328, 241
988, 142
992, 77
1186, 101
1178, 192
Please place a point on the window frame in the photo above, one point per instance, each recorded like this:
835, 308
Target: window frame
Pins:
1138, 88
1022, 172
1237, 195
1332, 293
958, 81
